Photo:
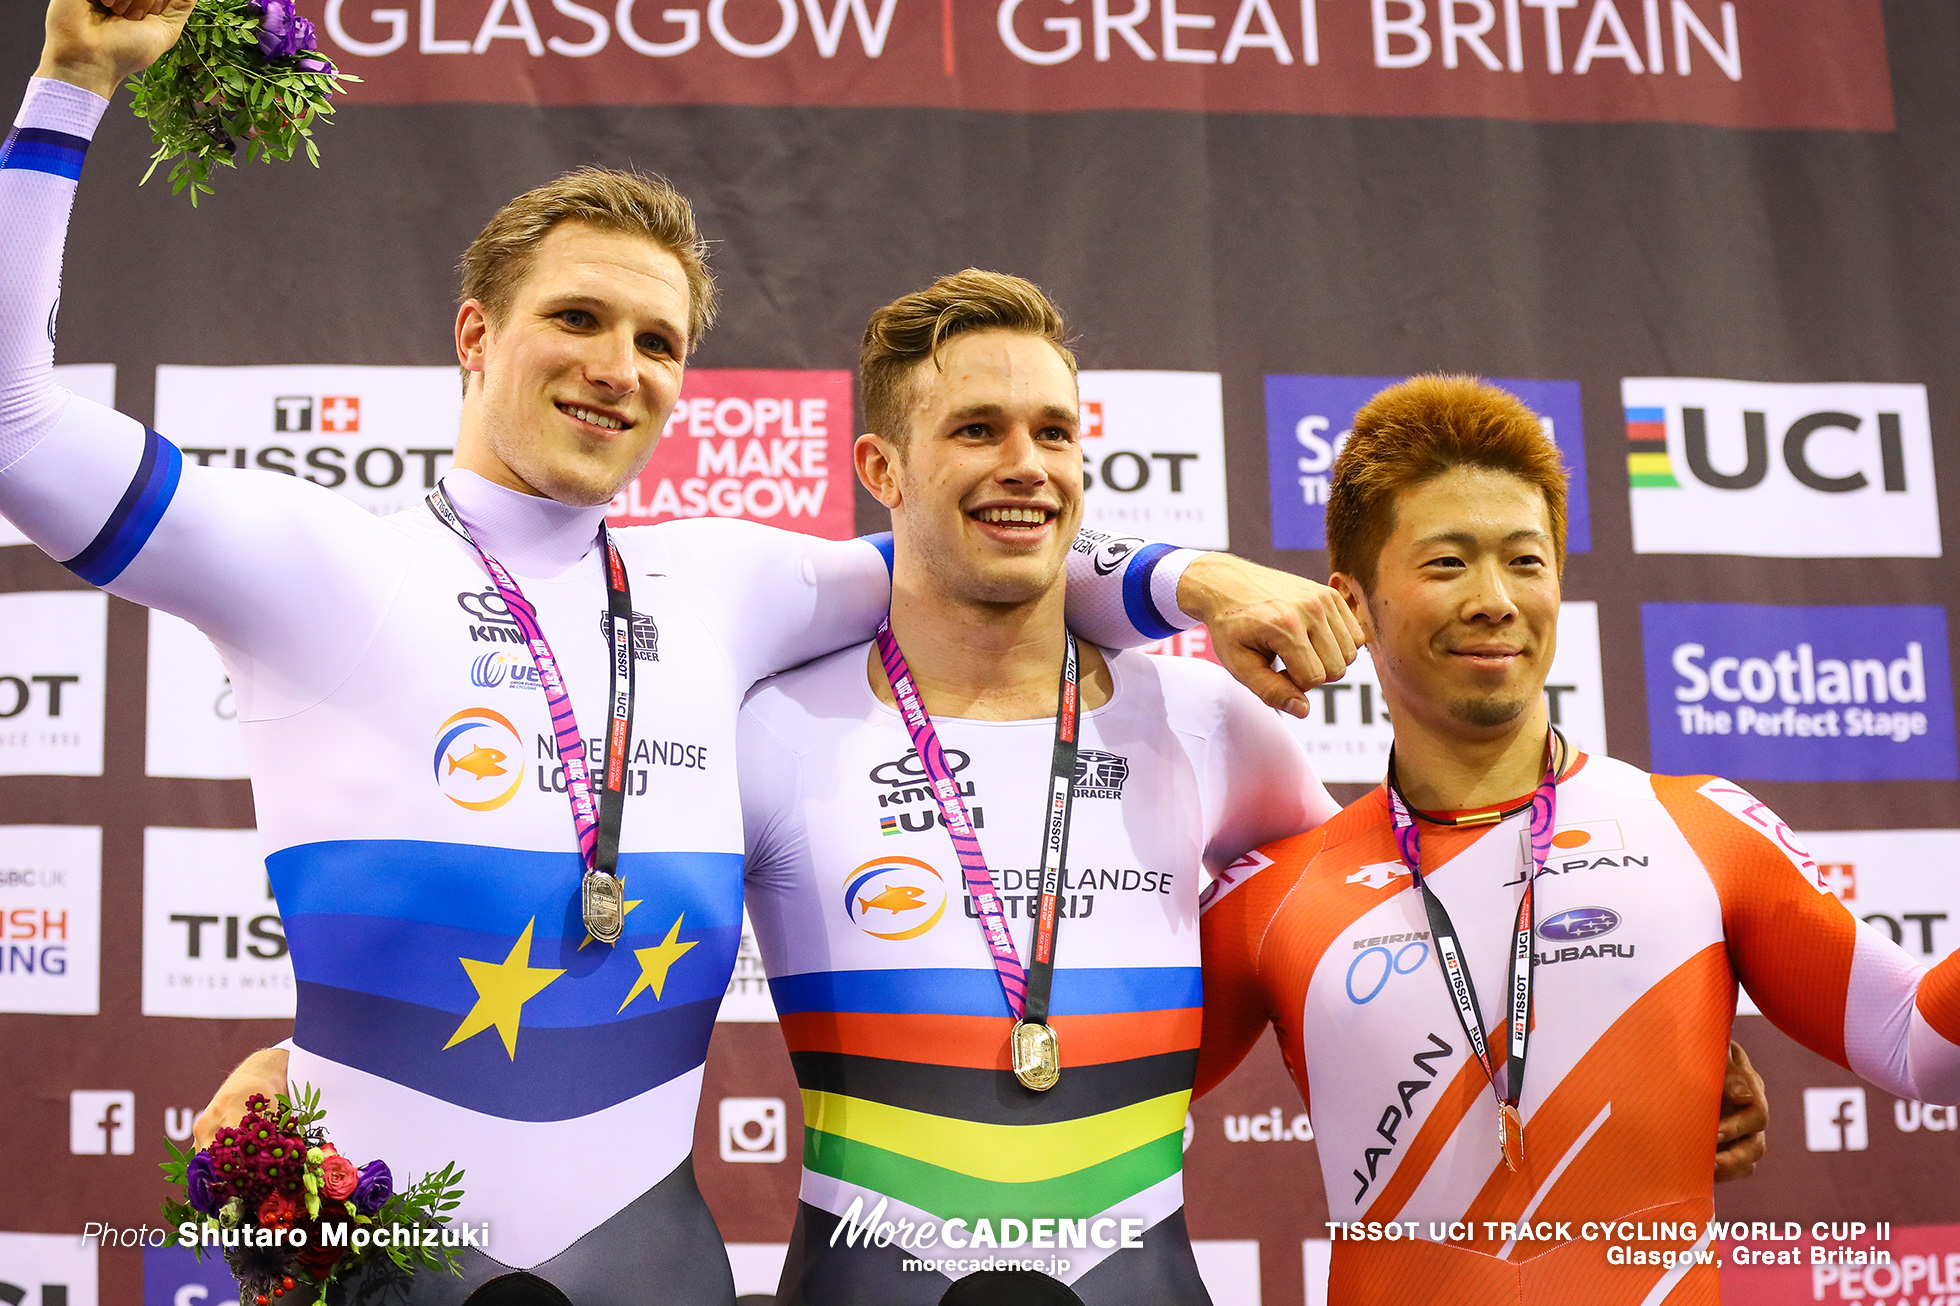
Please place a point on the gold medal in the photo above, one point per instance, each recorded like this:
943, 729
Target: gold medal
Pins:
604, 900
1036, 1056
1510, 1136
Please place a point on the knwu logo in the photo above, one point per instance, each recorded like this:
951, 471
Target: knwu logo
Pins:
1780, 471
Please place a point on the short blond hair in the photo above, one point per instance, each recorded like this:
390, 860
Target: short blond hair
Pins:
913, 327
1413, 432
500, 257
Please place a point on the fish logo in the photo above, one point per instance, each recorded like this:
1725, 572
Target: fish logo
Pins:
472, 748
895, 898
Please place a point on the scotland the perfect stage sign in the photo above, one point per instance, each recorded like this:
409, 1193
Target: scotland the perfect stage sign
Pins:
1752, 692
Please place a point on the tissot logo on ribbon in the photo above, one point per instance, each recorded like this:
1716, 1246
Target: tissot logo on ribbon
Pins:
1153, 456
895, 898
1307, 422
1780, 471
381, 436
764, 446
1764, 63
1768, 693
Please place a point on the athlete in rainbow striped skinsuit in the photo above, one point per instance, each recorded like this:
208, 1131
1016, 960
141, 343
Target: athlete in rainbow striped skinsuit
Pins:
450, 1007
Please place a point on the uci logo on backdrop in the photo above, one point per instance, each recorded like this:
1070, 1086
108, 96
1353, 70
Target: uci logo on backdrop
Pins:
1753, 692
1780, 471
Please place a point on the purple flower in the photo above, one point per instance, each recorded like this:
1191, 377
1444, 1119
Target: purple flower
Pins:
375, 1188
282, 32
198, 1178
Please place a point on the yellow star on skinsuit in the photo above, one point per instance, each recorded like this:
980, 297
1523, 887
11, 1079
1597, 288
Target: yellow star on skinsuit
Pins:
502, 989
630, 905
656, 961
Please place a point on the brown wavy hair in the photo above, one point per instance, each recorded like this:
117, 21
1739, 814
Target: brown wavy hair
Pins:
500, 257
913, 327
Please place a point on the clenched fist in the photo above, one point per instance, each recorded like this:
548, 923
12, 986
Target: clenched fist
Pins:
94, 46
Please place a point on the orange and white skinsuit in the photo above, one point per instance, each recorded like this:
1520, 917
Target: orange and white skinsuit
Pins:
1661, 894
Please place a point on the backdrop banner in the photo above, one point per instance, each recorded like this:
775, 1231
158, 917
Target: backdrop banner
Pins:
1710, 242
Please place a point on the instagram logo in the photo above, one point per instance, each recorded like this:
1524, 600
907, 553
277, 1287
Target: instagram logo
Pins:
753, 1129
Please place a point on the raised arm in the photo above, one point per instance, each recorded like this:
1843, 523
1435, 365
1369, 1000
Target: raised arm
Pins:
1821, 975
250, 558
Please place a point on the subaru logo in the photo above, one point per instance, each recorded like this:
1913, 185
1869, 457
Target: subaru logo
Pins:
1580, 923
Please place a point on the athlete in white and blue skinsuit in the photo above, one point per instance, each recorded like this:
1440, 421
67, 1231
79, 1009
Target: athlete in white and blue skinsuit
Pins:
450, 1007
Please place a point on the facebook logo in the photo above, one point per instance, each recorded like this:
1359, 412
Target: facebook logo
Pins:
1834, 1120
102, 1123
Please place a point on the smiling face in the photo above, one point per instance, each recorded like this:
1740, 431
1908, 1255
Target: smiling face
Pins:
574, 381
1462, 619
986, 488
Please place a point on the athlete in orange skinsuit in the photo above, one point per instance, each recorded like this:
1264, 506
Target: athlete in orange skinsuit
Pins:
1657, 895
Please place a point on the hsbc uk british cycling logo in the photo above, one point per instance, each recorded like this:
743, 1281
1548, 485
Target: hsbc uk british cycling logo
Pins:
1100, 775
1580, 923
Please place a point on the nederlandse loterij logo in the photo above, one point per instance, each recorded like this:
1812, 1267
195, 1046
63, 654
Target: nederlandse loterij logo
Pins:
477, 759
895, 898
1753, 692
1308, 419
1780, 470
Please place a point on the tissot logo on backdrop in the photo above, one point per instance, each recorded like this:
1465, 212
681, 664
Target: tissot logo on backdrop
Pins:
213, 944
1308, 420
48, 1269
379, 435
1899, 882
1347, 731
1768, 693
52, 649
1153, 456
50, 919
772, 447
1780, 471
96, 381
1754, 63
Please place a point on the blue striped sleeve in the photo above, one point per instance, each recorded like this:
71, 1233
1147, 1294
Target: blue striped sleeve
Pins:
1138, 604
41, 150
136, 516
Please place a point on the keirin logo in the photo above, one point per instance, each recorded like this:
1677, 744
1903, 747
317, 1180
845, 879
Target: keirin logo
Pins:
472, 749
895, 898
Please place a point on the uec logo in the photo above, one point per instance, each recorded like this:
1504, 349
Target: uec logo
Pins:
472, 748
1372, 968
1580, 923
895, 898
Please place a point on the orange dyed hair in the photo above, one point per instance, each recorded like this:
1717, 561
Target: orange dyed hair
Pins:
1414, 432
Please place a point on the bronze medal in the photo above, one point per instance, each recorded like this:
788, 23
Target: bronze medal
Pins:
604, 900
1510, 1136
1036, 1056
